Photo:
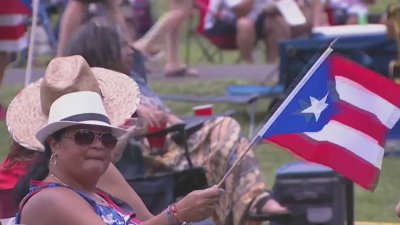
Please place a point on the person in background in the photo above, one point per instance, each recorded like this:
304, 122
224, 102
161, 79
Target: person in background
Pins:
215, 146
349, 11
79, 138
13, 35
166, 32
276, 28
243, 19
76, 13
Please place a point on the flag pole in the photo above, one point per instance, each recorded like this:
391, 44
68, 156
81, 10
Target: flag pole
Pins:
35, 9
257, 139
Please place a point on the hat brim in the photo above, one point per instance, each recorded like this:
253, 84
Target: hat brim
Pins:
25, 117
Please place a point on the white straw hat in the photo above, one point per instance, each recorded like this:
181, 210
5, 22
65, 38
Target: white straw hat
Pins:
82, 107
28, 113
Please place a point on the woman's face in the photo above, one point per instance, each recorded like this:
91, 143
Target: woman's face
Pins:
126, 62
80, 154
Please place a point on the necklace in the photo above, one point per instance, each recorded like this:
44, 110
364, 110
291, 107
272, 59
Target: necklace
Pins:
95, 196
57, 179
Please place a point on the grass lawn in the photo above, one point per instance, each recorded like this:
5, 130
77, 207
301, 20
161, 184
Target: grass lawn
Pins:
377, 206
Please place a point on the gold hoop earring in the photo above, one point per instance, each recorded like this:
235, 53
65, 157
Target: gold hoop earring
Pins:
53, 159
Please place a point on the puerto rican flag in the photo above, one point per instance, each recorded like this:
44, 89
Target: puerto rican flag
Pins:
14, 15
338, 115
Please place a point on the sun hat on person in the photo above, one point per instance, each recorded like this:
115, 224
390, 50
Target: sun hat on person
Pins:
41, 108
87, 109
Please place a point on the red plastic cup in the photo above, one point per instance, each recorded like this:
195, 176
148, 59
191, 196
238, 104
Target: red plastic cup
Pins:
203, 110
156, 142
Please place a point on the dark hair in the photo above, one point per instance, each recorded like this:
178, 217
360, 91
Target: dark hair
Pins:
98, 41
19, 153
38, 171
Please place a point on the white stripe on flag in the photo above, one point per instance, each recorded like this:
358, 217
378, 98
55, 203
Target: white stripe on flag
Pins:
351, 139
14, 45
13, 20
357, 95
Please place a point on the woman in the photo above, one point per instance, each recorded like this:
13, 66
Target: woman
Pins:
214, 146
13, 36
20, 160
79, 137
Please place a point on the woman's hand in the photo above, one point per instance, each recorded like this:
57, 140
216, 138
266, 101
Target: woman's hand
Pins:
198, 205
153, 117
172, 119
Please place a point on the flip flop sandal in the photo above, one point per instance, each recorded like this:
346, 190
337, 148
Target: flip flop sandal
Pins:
176, 73
182, 72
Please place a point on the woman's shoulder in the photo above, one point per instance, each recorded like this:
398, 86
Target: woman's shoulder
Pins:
55, 204
55, 198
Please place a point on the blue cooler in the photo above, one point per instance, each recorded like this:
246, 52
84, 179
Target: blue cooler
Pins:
314, 194
298, 55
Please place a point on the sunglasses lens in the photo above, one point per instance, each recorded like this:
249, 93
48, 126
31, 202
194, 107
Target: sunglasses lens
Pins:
109, 141
84, 137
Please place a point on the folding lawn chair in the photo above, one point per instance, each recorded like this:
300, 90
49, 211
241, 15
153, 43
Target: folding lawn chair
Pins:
160, 190
221, 43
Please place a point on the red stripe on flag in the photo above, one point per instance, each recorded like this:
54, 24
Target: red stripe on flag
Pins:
340, 159
351, 116
14, 7
12, 33
371, 80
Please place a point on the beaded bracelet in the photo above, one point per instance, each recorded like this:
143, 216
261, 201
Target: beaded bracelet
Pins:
173, 216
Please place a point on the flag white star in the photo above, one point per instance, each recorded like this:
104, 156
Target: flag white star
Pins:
316, 107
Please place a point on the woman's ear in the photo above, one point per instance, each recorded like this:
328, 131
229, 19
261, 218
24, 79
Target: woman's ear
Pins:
53, 144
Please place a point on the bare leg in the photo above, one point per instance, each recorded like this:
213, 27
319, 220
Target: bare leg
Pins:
182, 10
245, 38
149, 43
73, 16
397, 209
4, 60
276, 29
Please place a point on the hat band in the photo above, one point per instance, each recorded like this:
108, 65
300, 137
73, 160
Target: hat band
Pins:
88, 116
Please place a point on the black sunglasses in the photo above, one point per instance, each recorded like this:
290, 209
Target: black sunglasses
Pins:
84, 138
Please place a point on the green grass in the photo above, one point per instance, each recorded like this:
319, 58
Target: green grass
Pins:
377, 206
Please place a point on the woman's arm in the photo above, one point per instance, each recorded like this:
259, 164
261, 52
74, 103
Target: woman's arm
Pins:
398, 209
115, 12
242, 7
63, 206
319, 18
72, 18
